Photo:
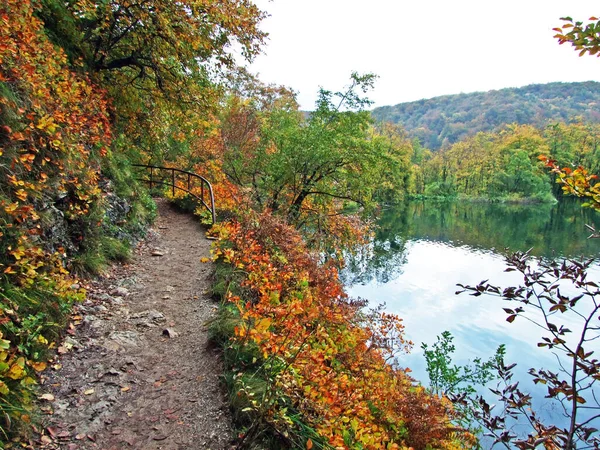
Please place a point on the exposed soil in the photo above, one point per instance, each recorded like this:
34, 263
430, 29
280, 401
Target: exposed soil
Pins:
137, 371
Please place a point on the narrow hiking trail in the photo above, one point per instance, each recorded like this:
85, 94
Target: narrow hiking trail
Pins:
138, 371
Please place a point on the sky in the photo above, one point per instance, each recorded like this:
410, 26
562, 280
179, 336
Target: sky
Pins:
419, 48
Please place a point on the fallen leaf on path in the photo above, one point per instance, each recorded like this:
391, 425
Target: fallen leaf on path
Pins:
125, 388
88, 392
157, 253
47, 397
53, 431
38, 366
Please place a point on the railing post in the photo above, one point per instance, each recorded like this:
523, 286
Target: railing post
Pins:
189, 176
173, 181
212, 204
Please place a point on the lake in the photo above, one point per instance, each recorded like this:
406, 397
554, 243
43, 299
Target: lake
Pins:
421, 250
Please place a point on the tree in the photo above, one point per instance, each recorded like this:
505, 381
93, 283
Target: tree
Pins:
308, 168
585, 38
161, 61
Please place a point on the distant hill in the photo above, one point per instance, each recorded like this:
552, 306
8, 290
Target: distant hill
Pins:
444, 120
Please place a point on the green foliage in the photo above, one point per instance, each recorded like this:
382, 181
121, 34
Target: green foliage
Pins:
447, 378
501, 166
442, 121
312, 168
584, 37
451, 380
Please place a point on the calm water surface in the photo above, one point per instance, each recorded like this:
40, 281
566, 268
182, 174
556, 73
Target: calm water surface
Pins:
423, 249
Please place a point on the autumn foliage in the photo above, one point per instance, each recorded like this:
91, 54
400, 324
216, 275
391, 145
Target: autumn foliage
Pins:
54, 129
322, 359
576, 181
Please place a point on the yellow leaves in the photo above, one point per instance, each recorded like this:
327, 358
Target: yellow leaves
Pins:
18, 253
46, 123
11, 208
39, 366
262, 325
309, 444
204, 260
21, 194
17, 369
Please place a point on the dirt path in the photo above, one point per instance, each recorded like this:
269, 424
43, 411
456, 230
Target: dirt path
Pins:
138, 372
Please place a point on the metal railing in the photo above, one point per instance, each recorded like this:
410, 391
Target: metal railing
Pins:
182, 180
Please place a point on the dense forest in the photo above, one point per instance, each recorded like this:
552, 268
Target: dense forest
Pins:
505, 165
441, 121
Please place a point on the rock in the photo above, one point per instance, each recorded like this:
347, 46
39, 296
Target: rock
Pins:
100, 406
120, 292
157, 253
69, 340
89, 319
100, 308
122, 338
148, 318
112, 371
170, 332
104, 297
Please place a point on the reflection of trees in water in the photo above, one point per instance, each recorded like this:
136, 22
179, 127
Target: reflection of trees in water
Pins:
383, 258
380, 260
550, 230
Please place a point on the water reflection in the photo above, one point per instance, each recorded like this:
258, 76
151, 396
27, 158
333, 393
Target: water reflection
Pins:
549, 230
421, 251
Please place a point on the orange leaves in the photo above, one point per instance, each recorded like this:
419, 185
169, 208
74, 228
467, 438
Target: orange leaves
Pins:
334, 370
578, 182
52, 122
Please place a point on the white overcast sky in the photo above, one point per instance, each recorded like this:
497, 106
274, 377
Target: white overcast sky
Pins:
420, 49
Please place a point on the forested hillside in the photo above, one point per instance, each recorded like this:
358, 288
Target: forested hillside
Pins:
441, 121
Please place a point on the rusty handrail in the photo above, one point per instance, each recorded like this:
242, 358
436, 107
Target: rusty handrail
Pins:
190, 178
